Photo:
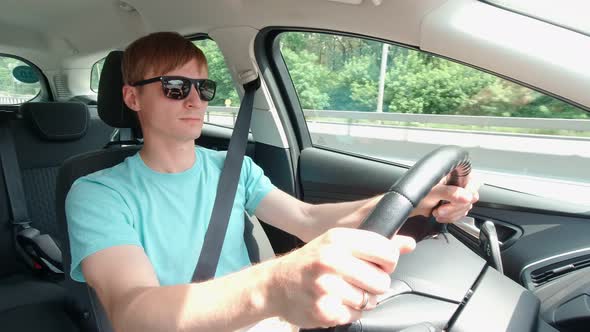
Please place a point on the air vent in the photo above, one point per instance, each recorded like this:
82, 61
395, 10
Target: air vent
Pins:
551, 272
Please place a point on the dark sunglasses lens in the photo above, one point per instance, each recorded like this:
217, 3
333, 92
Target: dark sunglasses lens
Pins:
207, 90
176, 88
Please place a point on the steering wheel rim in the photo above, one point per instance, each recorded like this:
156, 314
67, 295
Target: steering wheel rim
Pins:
391, 212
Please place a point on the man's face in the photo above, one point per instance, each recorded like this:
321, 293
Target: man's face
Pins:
168, 119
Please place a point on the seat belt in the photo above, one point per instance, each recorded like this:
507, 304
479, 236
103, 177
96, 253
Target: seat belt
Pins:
38, 250
226, 188
257, 243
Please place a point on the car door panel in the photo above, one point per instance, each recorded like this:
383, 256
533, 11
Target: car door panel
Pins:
328, 176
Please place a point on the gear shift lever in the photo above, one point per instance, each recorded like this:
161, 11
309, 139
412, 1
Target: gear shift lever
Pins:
490, 245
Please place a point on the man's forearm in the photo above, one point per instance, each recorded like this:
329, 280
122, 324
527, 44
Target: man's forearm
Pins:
223, 304
345, 214
322, 217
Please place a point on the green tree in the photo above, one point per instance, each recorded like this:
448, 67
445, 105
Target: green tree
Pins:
219, 73
342, 73
311, 80
357, 85
428, 85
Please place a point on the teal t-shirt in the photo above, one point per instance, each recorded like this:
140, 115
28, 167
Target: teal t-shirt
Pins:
166, 214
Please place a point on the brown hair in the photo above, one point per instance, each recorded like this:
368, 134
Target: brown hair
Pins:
158, 52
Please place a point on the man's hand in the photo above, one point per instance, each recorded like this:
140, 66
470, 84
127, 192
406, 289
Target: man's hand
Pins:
460, 201
323, 283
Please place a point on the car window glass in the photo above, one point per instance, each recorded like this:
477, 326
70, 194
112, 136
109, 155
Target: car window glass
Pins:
19, 82
223, 109
396, 104
95, 74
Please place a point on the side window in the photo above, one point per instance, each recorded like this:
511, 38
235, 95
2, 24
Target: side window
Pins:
95, 74
396, 104
224, 107
19, 82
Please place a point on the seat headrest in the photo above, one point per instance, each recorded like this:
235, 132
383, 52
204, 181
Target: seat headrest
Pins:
57, 121
111, 108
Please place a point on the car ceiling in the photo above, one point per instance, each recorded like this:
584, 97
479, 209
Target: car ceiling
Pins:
74, 34
103, 21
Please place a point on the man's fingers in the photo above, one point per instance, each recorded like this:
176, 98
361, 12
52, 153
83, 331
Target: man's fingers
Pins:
379, 250
405, 244
373, 258
351, 296
332, 312
451, 219
365, 275
459, 195
460, 201
473, 185
369, 246
451, 209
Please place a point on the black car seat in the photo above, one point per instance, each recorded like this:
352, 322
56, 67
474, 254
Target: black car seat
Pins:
43, 136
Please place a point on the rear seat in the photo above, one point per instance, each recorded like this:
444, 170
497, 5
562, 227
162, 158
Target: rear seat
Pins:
45, 134
50, 134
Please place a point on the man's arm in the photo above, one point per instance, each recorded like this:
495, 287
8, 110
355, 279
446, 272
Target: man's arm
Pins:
307, 221
320, 284
129, 290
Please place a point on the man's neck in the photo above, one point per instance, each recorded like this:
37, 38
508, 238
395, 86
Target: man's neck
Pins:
168, 158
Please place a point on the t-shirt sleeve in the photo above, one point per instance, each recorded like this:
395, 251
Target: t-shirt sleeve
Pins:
257, 184
98, 218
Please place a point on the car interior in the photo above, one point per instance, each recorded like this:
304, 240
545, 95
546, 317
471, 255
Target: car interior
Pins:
520, 261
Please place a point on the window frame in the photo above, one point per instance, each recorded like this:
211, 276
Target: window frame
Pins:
99, 74
290, 97
44, 94
282, 90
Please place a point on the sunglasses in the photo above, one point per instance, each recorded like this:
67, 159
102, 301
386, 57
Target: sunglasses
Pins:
179, 87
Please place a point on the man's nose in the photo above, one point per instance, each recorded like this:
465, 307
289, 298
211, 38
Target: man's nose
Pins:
194, 99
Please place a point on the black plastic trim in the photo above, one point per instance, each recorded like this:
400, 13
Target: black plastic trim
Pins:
276, 163
473, 243
525, 273
270, 57
333, 181
275, 74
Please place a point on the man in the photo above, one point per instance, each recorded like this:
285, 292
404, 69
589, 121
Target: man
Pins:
136, 229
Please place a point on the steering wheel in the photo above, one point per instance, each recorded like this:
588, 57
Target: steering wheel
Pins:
396, 205
442, 285
391, 212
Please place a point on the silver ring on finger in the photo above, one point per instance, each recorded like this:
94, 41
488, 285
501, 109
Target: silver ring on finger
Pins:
365, 300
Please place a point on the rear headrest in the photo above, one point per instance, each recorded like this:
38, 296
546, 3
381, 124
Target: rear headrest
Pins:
57, 121
111, 107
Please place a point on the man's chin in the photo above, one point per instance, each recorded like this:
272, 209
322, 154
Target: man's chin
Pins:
195, 135
189, 133
186, 137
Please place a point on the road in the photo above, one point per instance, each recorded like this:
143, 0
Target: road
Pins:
550, 166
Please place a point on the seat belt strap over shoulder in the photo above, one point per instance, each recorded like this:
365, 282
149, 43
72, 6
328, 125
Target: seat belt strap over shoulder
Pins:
12, 176
226, 188
38, 250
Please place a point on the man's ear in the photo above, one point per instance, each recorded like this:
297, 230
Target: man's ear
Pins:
130, 97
